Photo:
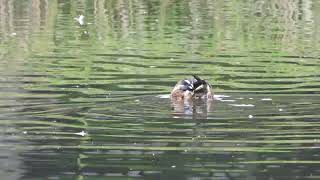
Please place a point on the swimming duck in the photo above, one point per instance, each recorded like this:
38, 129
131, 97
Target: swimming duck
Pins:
192, 88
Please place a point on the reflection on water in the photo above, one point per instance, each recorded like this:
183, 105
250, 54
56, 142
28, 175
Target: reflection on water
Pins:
198, 108
85, 97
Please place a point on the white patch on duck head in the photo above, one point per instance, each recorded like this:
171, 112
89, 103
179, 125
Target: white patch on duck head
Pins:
190, 85
199, 87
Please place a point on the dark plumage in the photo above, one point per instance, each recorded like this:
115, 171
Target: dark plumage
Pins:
192, 88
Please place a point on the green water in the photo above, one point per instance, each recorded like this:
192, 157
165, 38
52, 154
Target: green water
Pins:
89, 99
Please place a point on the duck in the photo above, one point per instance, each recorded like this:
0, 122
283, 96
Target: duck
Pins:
192, 88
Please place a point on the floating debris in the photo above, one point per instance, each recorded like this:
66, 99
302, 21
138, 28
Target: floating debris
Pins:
82, 133
80, 19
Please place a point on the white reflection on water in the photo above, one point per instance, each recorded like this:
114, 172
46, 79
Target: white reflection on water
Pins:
266, 99
163, 96
82, 133
242, 105
198, 108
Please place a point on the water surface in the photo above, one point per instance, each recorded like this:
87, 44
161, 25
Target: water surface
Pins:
88, 98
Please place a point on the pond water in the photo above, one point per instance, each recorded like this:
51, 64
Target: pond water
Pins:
85, 89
